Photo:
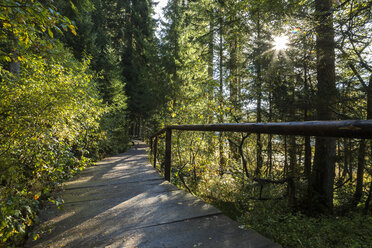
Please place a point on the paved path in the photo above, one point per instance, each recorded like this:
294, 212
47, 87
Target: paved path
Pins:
123, 202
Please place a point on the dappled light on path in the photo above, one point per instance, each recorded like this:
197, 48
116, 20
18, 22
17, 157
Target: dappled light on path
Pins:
123, 202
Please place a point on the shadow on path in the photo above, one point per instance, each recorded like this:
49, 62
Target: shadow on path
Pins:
123, 202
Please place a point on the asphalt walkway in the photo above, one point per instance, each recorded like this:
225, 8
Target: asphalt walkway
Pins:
123, 202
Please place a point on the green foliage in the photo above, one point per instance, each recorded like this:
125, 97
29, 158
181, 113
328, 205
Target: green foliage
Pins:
49, 129
297, 230
52, 121
98, 27
29, 24
141, 67
16, 215
222, 66
113, 124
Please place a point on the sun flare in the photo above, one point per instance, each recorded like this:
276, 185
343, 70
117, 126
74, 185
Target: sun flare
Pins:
281, 42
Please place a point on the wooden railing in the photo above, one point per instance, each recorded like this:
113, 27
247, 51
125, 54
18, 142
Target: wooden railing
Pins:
347, 129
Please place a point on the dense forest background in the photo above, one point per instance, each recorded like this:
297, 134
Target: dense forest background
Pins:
79, 78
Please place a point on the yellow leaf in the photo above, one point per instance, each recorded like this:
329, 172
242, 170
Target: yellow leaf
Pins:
6, 25
26, 39
73, 29
50, 32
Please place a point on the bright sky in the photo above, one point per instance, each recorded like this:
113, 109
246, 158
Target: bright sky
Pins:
159, 14
158, 9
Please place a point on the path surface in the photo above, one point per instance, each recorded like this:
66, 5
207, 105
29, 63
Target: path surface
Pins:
123, 202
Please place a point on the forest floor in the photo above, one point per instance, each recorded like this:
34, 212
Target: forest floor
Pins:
293, 229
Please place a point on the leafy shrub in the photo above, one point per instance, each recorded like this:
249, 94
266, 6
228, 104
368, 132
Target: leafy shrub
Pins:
49, 129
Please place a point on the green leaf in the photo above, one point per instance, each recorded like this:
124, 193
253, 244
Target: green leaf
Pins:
17, 213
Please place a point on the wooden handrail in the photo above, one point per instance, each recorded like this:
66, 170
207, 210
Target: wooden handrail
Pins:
347, 129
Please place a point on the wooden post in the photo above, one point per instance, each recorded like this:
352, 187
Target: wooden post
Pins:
151, 150
168, 154
155, 150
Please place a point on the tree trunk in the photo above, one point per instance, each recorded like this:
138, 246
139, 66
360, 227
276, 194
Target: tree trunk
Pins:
210, 73
233, 84
270, 145
210, 48
369, 98
360, 172
308, 159
307, 164
285, 156
347, 156
259, 98
366, 206
292, 169
338, 155
292, 154
14, 66
233, 72
221, 117
307, 151
325, 149
210, 64
369, 117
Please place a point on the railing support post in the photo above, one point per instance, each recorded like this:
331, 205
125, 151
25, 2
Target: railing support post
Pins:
155, 150
168, 154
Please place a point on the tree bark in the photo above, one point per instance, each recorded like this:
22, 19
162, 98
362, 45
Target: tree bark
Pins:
366, 206
369, 117
285, 155
259, 98
325, 149
360, 172
210, 63
270, 142
14, 66
210, 47
292, 154
292, 169
233, 71
307, 151
347, 155
221, 117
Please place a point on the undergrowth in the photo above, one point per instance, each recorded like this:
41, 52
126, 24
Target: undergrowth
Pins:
293, 229
276, 220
